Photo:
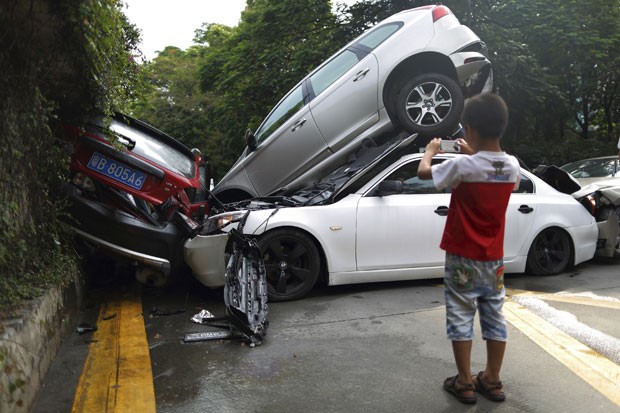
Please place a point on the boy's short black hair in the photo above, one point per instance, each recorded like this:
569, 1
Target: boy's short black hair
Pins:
486, 113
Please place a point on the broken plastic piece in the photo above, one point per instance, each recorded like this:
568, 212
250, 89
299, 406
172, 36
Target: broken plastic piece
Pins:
207, 335
245, 291
245, 295
201, 316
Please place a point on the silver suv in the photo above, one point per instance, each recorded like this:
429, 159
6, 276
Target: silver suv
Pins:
410, 72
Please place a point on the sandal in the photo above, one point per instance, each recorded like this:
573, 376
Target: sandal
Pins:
487, 389
456, 388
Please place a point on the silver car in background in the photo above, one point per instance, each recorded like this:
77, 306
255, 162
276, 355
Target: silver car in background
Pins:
411, 72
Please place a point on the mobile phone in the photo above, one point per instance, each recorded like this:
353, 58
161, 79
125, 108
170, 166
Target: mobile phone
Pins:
450, 146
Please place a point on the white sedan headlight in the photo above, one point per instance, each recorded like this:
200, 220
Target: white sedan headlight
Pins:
220, 221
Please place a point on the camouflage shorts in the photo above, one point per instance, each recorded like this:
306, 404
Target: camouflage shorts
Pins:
472, 285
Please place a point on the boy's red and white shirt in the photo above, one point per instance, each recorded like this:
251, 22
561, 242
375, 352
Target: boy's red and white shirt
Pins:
481, 187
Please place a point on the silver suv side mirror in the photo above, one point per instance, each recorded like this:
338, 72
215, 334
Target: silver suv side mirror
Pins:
250, 140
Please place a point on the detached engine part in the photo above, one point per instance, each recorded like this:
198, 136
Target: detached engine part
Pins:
245, 294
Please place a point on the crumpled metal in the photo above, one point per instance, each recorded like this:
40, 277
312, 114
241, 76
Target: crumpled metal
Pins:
201, 316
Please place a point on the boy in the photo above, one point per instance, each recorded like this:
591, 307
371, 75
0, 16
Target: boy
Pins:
473, 239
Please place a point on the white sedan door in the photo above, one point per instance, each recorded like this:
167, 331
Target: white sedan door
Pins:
402, 230
520, 215
405, 230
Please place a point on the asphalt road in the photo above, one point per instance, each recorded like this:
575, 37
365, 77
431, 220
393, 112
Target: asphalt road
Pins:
373, 348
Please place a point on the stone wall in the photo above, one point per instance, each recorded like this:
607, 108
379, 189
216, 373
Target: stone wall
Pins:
29, 342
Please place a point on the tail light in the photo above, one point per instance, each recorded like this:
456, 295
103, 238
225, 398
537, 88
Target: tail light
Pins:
439, 12
590, 202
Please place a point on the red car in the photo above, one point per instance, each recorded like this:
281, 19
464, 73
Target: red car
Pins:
135, 192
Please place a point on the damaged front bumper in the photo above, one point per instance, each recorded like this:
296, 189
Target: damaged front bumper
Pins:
206, 256
124, 235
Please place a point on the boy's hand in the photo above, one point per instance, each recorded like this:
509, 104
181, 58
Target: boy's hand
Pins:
434, 146
465, 148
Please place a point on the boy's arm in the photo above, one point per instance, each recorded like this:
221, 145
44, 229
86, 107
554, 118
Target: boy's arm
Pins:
465, 148
432, 149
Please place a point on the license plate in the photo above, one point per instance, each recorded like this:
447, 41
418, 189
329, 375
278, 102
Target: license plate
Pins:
116, 170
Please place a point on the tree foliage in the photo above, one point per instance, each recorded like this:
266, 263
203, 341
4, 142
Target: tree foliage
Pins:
243, 71
172, 99
554, 61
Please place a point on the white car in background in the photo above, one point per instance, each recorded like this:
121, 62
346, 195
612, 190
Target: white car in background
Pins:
374, 220
410, 72
591, 170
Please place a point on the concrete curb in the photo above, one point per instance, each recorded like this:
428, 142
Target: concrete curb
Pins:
29, 343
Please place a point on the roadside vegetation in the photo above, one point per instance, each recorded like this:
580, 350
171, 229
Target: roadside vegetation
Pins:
60, 60
555, 63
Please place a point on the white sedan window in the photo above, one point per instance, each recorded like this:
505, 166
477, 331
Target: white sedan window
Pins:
412, 184
408, 175
526, 186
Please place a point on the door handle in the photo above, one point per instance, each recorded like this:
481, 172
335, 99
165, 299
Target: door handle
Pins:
298, 124
525, 209
361, 74
442, 210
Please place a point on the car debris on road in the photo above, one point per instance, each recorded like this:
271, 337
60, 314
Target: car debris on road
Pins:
245, 295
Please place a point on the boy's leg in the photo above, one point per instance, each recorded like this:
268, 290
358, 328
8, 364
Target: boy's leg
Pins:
488, 382
462, 357
493, 324
460, 312
495, 357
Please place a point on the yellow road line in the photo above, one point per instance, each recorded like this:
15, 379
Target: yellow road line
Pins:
117, 375
571, 299
592, 367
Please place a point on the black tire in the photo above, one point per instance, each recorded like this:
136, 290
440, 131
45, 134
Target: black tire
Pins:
429, 104
550, 253
292, 263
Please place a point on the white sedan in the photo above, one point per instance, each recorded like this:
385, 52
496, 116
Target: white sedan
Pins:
375, 220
